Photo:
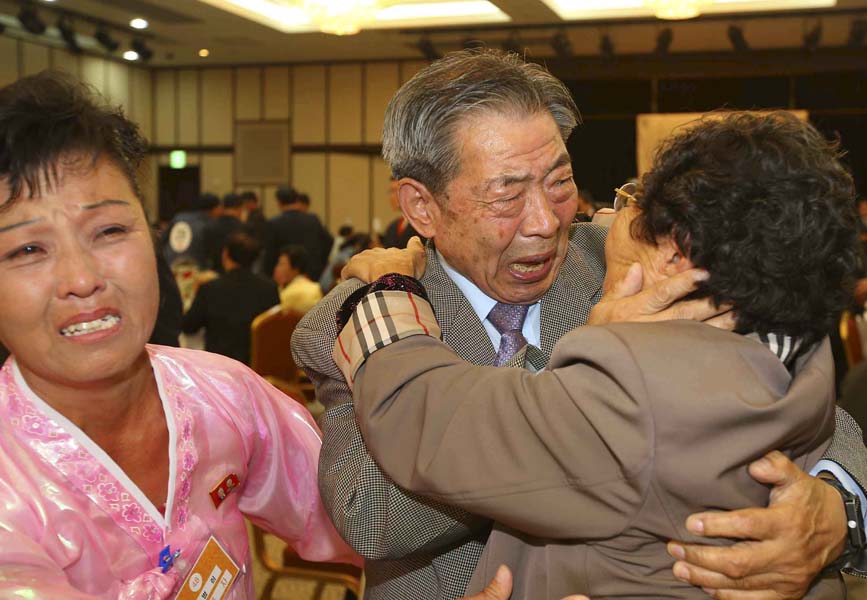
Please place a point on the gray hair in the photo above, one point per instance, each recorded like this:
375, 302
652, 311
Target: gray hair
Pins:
425, 113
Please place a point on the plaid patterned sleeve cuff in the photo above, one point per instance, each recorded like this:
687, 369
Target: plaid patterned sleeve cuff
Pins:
381, 318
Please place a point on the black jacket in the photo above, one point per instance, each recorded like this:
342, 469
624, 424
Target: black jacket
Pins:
226, 307
304, 229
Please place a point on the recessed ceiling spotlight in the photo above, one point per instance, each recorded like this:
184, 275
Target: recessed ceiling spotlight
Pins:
139, 23
130, 55
204, 52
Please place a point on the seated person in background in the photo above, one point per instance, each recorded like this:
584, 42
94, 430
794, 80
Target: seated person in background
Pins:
592, 465
354, 243
227, 305
120, 460
297, 291
221, 227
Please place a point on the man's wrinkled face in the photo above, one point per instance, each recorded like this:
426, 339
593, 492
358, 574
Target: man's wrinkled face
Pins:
503, 222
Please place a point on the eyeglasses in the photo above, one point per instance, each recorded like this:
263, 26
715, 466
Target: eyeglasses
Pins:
624, 195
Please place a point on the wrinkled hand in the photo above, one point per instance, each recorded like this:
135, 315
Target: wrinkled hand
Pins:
372, 264
500, 588
662, 301
783, 546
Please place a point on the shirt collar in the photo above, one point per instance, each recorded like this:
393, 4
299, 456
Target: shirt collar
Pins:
481, 302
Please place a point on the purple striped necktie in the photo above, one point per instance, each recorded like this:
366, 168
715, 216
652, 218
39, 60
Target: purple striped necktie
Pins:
508, 319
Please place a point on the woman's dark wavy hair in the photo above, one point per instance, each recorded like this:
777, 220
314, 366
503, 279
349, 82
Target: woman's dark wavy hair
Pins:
51, 120
764, 204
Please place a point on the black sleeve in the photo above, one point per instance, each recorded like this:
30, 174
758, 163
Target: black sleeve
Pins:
197, 316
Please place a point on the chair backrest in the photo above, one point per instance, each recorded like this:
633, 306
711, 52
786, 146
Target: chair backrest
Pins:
270, 335
851, 339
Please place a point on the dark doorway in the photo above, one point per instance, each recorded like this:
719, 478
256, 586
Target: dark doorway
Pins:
178, 188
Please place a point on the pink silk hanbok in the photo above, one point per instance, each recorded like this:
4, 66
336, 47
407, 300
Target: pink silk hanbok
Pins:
73, 525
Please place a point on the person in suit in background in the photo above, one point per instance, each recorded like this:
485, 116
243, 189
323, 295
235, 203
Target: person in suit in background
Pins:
227, 305
221, 227
184, 237
295, 225
476, 141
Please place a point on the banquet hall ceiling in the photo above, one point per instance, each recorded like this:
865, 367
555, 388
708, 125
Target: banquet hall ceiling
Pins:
233, 35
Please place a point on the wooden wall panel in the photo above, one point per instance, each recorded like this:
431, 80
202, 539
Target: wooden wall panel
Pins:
93, 72
344, 104
141, 101
8, 60
349, 191
188, 105
308, 105
217, 114
166, 102
308, 175
411, 67
277, 93
34, 58
65, 61
149, 184
117, 84
381, 81
248, 94
383, 213
216, 173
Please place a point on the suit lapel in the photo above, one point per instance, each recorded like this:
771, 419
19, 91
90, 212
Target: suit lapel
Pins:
567, 304
461, 327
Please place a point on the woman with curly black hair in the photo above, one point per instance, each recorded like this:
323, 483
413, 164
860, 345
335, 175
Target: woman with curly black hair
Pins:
591, 466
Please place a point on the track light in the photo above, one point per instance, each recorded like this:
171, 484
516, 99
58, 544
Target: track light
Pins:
426, 47
561, 45
606, 47
857, 33
812, 38
30, 21
472, 44
140, 48
68, 35
737, 39
663, 41
105, 40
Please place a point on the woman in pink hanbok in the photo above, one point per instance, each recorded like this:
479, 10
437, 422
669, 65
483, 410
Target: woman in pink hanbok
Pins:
126, 470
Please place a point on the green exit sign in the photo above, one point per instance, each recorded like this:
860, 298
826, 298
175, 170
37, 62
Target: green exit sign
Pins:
177, 159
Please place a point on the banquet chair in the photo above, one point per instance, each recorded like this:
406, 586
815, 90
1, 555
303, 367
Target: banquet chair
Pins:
349, 576
270, 335
851, 337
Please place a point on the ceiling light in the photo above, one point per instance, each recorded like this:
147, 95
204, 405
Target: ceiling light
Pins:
342, 17
140, 48
68, 35
130, 55
663, 41
105, 40
737, 39
561, 45
30, 21
677, 9
139, 23
204, 53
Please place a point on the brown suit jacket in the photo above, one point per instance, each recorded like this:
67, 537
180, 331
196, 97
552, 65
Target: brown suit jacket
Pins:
598, 461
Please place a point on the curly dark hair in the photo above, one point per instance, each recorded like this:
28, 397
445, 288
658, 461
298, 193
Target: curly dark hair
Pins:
763, 203
50, 118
